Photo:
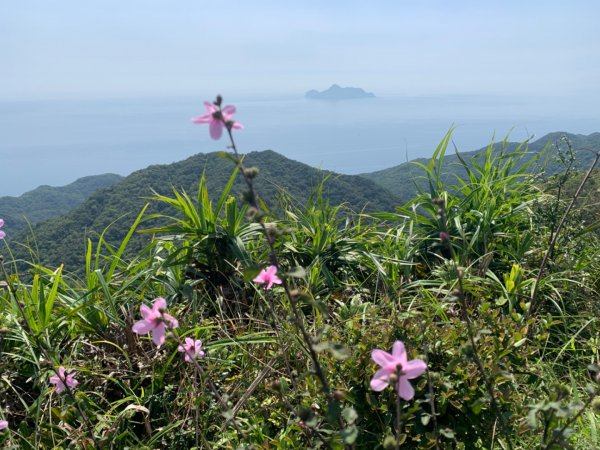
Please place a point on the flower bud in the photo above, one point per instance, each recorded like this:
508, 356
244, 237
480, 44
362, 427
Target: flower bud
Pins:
251, 172
271, 229
251, 212
274, 385
339, 395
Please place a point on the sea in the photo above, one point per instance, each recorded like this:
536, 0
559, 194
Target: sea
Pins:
54, 142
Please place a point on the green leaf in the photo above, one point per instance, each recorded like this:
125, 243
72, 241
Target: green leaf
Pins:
389, 442
349, 435
350, 415
501, 301
297, 272
251, 272
447, 433
338, 351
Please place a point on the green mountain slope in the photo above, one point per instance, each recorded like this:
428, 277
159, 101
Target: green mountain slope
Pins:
402, 179
46, 202
62, 239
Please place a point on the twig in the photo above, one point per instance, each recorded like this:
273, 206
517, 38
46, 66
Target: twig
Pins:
465, 314
431, 393
252, 200
556, 436
533, 303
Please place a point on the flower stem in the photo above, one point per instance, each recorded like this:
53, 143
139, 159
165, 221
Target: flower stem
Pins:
460, 294
252, 200
398, 410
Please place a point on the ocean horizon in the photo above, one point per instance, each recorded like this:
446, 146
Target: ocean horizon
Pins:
54, 142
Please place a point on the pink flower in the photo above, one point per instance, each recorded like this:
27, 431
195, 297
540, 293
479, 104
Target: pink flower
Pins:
3, 424
217, 119
2, 233
268, 276
396, 364
191, 349
155, 320
63, 379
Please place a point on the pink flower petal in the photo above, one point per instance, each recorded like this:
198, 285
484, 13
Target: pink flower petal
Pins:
380, 380
147, 313
1, 222
2, 234
159, 305
229, 110
383, 358
414, 368
171, 321
158, 334
206, 118
3, 423
216, 129
142, 327
71, 382
405, 389
210, 107
399, 352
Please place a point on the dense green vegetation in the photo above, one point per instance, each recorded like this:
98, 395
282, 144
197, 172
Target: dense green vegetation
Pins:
46, 202
477, 275
111, 210
404, 178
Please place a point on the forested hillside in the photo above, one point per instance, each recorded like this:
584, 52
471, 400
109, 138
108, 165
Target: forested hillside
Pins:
46, 202
62, 240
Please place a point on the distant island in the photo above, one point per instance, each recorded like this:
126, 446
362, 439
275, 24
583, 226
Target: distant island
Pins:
336, 92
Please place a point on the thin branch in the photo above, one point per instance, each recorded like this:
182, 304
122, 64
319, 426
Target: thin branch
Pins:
533, 303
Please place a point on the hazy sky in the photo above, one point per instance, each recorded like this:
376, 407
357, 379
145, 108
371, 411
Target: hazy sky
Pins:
75, 48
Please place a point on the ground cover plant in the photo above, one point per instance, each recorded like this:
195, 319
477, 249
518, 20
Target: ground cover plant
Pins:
464, 319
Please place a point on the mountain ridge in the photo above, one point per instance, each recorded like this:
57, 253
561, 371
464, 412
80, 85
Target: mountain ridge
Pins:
112, 210
45, 202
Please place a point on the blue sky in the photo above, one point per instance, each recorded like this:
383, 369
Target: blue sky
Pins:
115, 48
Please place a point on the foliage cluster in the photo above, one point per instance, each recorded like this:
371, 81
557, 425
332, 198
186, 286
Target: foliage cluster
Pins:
453, 273
401, 179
